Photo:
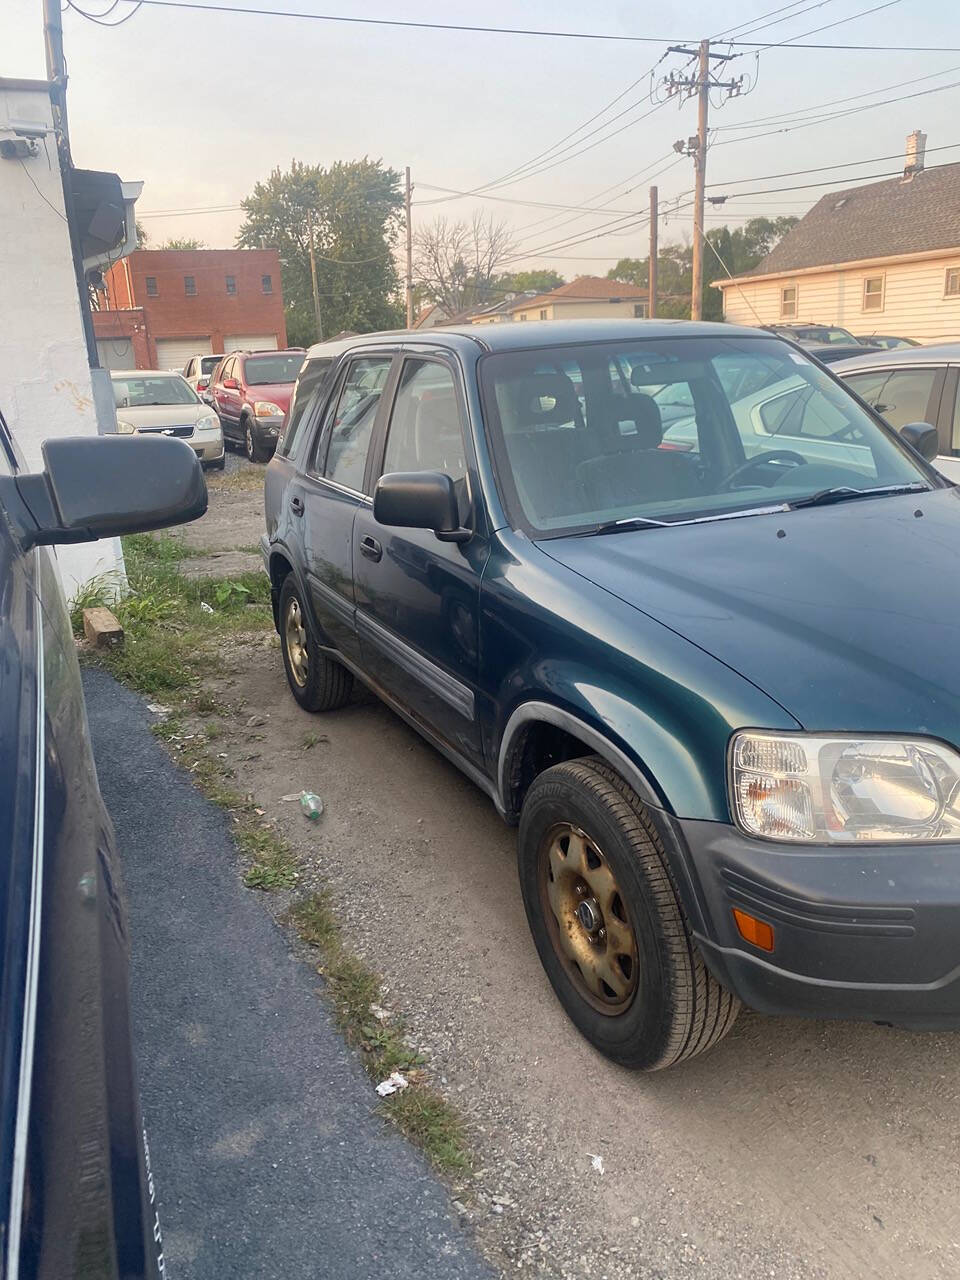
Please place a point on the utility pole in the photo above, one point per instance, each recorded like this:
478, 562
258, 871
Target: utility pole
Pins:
409, 254
313, 277
701, 84
57, 75
654, 253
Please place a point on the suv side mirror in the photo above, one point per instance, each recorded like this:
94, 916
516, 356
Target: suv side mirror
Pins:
922, 437
419, 500
231, 384
102, 486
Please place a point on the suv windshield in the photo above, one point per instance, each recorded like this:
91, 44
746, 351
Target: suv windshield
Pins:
675, 429
209, 363
261, 370
821, 334
138, 392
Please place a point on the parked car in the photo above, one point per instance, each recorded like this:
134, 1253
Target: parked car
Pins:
887, 341
251, 393
150, 402
77, 1194
198, 369
815, 335
831, 354
911, 384
732, 750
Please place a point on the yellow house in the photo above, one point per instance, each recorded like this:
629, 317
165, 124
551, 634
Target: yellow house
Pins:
878, 259
587, 297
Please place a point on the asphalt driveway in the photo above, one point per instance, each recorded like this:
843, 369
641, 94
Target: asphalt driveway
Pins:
269, 1157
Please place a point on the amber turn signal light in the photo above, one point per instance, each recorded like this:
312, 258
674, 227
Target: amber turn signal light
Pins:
757, 932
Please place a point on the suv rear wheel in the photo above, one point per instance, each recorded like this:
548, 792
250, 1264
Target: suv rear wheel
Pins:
608, 924
317, 682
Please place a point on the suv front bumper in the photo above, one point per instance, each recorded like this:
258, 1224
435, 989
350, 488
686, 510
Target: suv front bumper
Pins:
866, 933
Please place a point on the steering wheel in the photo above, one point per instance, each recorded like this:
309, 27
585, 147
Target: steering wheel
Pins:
772, 455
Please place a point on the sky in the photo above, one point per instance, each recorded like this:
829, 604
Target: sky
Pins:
201, 106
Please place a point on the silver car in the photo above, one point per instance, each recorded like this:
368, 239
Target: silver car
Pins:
150, 401
913, 384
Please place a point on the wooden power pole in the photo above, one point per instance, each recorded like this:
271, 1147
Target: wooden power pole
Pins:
700, 84
654, 254
409, 275
313, 277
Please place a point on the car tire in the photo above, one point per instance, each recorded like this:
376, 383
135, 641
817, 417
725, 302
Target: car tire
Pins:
633, 983
251, 445
318, 682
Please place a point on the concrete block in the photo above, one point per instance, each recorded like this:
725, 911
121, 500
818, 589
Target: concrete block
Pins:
101, 628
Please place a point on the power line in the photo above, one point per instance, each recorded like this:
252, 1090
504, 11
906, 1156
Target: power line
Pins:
534, 31
863, 13
802, 112
823, 168
808, 186
534, 204
762, 26
406, 22
98, 17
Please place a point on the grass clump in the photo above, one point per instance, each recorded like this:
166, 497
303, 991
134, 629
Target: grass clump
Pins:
273, 865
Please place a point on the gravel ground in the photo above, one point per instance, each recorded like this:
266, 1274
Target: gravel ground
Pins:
223, 540
795, 1149
269, 1157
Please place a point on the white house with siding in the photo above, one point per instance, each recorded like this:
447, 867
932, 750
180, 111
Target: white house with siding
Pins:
883, 258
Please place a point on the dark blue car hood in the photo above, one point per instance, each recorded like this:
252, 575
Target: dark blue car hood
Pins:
847, 615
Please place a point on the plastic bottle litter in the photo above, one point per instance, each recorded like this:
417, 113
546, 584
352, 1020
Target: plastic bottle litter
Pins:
311, 805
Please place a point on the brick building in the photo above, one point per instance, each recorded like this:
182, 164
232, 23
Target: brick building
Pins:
161, 306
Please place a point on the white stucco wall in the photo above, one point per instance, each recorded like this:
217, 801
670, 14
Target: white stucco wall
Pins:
45, 385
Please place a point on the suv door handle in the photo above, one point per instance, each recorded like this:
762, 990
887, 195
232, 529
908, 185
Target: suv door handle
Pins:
296, 505
370, 547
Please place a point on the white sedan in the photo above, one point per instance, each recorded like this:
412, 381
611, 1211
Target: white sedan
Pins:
152, 402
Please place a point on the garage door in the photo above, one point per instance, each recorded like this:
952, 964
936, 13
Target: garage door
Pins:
251, 342
173, 353
115, 353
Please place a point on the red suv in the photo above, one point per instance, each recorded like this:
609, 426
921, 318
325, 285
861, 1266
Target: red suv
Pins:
250, 391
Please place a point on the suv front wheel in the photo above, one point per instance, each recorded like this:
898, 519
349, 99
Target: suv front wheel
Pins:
317, 682
251, 443
608, 924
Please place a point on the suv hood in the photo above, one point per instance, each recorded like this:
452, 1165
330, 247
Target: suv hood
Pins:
158, 416
278, 392
851, 620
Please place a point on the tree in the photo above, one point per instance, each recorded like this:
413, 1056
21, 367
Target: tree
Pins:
354, 208
185, 242
456, 263
523, 281
142, 237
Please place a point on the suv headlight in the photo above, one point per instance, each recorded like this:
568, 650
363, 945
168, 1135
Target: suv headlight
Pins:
844, 789
125, 428
267, 409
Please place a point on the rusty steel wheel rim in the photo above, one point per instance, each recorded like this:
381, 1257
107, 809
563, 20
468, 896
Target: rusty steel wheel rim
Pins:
587, 919
295, 634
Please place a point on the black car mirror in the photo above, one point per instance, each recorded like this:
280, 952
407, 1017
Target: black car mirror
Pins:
102, 486
419, 500
922, 437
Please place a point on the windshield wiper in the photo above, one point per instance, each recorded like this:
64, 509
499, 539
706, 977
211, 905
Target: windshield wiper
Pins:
634, 522
846, 493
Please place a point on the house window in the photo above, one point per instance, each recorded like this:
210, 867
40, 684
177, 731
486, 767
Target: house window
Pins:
543, 314
190, 286
639, 311
951, 285
788, 302
266, 284
873, 293
152, 290
231, 284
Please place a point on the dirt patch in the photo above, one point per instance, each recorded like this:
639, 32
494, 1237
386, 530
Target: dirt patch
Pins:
220, 543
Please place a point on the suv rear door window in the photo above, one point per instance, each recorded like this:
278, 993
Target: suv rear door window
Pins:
313, 375
353, 420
